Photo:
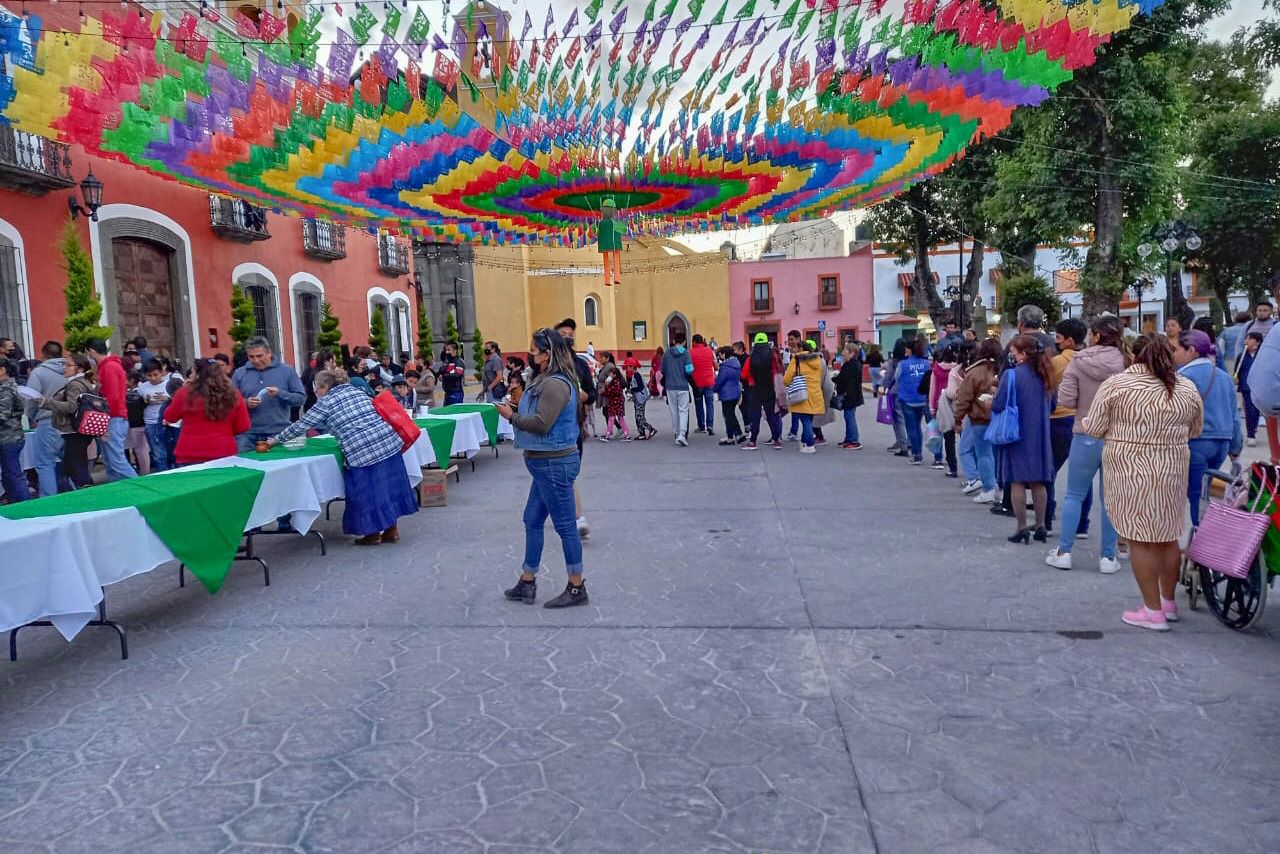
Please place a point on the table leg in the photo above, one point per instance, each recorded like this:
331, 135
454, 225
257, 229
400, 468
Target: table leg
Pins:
101, 621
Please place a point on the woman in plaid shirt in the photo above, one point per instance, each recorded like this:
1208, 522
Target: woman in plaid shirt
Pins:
378, 490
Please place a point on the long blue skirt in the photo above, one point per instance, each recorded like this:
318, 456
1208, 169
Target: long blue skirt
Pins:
377, 496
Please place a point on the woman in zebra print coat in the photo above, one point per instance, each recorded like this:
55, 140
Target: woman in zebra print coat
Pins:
1147, 414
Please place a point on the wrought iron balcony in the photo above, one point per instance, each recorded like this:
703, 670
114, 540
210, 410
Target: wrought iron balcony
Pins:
324, 240
393, 256
33, 164
236, 219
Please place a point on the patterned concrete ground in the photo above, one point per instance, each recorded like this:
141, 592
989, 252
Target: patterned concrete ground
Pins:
783, 653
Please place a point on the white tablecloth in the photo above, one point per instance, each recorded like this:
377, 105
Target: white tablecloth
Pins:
55, 568
505, 430
469, 434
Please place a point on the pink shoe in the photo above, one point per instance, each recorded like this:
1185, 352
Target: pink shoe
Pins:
1170, 609
1145, 618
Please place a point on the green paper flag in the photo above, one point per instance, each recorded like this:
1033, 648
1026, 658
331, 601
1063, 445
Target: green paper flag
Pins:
827, 26
362, 24
746, 11
695, 8
670, 9
789, 17
391, 23
719, 16
724, 83
593, 10
804, 22
648, 12
419, 28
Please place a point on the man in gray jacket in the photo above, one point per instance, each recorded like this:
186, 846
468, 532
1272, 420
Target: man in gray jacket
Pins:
677, 368
46, 378
270, 388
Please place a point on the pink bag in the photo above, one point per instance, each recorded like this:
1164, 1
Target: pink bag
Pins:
1227, 538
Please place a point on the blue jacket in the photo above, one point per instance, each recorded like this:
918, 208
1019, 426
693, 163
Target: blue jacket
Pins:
564, 430
910, 372
272, 414
1221, 418
1264, 376
677, 368
729, 379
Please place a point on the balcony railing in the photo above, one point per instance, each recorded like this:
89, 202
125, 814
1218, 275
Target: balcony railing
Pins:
33, 164
393, 256
236, 219
323, 240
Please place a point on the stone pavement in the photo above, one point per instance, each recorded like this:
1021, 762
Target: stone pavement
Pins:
828, 653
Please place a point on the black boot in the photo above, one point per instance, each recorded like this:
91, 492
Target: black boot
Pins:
524, 591
571, 597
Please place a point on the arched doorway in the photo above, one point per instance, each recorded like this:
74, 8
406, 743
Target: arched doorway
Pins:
677, 324
143, 279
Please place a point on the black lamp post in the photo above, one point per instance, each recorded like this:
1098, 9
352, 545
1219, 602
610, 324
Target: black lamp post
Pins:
1175, 240
1137, 287
91, 190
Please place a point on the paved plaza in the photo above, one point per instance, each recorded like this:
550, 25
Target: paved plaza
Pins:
783, 653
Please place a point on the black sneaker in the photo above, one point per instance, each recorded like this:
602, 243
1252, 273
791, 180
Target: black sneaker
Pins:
524, 591
570, 597
902, 453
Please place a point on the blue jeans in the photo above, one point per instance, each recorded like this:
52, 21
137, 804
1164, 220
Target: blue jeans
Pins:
158, 446
11, 474
1083, 463
912, 414
965, 449
704, 408
551, 494
899, 425
851, 424
452, 397
806, 428
49, 446
1205, 454
984, 455
111, 449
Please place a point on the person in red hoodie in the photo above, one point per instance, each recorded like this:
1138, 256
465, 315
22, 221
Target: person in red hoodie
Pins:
212, 412
111, 382
704, 385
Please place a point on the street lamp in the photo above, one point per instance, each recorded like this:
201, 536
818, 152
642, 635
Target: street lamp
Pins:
1137, 287
1174, 239
91, 190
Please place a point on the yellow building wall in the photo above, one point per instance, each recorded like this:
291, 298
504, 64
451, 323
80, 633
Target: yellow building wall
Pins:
511, 302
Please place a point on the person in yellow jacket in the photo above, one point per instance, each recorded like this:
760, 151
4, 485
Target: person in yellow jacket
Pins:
809, 367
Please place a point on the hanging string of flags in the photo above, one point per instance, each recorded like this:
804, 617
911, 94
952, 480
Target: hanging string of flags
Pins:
503, 136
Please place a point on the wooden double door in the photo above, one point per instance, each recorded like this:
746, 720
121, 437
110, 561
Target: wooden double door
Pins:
144, 292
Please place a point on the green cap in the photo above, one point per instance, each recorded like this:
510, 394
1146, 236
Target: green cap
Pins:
761, 338
812, 345
608, 202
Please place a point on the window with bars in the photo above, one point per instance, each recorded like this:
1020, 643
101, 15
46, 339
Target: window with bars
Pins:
591, 312
828, 291
307, 316
264, 313
12, 322
762, 296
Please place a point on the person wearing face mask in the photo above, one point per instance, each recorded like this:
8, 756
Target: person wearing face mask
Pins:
586, 394
494, 387
547, 430
79, 373
1222, 433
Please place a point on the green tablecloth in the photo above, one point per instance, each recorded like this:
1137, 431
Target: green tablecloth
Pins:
199, 515
487, 411
317, 446
440, 433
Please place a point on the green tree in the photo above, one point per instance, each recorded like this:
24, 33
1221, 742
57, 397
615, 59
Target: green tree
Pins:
424, 333
84, 310
1100, 155
330, 336
477, 353
378, 332
911, 225
451, 333
243, 322
1028, 289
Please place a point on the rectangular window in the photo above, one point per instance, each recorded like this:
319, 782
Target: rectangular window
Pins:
639, 330
308, 318
11, 320
828, 292
762, 296
264, 314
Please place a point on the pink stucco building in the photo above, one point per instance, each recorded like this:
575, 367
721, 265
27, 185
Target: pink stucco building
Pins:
774, 296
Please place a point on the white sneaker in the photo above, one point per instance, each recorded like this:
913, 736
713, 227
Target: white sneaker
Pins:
970, 486
1061, 560
1108, 566
1252, 443
792, 437
988, 497
682, 441
808, 449
1082, 535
